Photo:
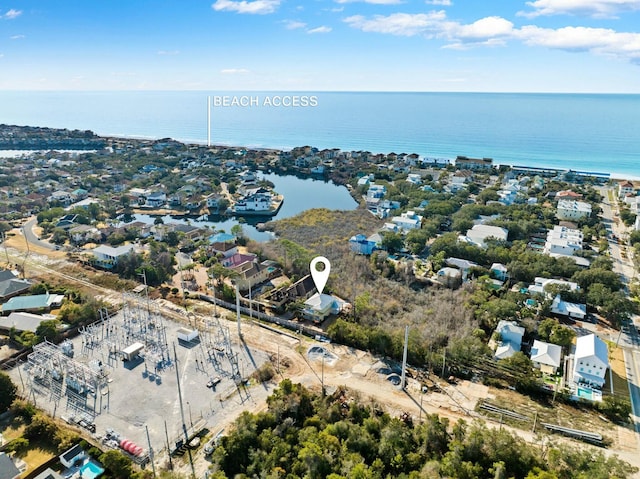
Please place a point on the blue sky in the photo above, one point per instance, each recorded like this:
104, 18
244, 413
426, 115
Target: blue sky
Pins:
344, 45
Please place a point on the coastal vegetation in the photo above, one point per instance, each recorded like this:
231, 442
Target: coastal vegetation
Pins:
303, 434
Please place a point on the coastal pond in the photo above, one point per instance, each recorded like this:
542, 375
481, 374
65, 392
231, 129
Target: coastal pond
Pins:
300, 194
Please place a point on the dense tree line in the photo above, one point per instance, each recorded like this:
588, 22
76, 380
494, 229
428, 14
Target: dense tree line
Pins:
307, 435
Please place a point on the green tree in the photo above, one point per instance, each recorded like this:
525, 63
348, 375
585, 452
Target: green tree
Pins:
7, 392
392, 242
118, 464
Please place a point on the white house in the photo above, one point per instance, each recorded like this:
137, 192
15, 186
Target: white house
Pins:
563, 241
539, 284
463, 264
572, 210
319, 306
590, 361
71, 456
107, 256
625, 188
408, 221
479, 234
546, 357
500, 271
414, 178
510, 339
571, 310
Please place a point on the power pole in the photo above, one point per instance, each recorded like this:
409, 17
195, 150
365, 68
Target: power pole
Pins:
153, 466
404, 358
238, 310
184, 425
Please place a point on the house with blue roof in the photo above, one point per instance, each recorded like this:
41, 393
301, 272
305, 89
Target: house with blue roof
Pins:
361, 244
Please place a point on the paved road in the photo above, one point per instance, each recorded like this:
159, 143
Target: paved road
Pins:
628, 338
27, 231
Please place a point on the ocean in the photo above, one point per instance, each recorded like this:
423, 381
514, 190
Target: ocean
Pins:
584, 132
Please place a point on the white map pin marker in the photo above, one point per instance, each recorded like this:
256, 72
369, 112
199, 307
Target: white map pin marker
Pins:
320, 277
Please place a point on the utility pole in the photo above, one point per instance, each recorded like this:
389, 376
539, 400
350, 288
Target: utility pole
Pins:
238, 310
166, 433
403, 383
184, 425
444, 361
153, 466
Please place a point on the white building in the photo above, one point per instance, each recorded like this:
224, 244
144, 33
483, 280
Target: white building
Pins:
540, 283
591, 361
107, 256
510, 339
546, 356
565, 308
625, 188
563, 241
479, 234
408, 221
573, 210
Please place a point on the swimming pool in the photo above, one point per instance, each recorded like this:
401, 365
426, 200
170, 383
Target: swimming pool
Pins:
584, 393
90, 470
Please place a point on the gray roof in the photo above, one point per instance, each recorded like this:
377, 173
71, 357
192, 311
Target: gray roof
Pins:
22, 321
48, 474
8, 469
12, 286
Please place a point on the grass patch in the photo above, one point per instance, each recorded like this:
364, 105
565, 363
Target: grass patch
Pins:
616, 363
12, 428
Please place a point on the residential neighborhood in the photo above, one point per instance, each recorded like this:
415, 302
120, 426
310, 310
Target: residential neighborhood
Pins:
517, 279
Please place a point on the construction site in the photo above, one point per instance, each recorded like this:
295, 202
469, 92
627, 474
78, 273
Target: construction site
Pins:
141, 382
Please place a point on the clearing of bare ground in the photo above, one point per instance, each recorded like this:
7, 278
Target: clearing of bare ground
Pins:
385, 295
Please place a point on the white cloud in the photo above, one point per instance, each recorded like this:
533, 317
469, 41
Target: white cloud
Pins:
168, 52
1, 55
443, 3
403, 24
600, 41
258, 7
11, 14
234, 71
488, 27
373, 2
293, 24
593, 8
337, 9
16, 37
322, 29
496, 31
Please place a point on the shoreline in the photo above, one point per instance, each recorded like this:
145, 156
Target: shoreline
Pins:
612, 175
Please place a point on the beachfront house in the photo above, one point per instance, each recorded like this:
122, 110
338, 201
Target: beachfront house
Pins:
626, 188
546, 357
466, 163
590, 361
572, 210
